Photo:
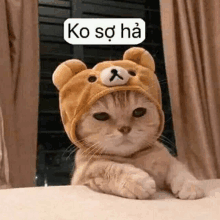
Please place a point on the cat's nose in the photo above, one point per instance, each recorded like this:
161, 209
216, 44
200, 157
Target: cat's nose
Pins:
124, 129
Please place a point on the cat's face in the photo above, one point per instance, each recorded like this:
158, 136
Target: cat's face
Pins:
120, 123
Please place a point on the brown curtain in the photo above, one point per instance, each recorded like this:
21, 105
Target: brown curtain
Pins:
18, 91
191, 37
4, 169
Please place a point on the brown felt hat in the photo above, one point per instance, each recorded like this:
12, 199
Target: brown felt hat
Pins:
79, 87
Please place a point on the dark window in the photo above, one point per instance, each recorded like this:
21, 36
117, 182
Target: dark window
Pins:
55, 153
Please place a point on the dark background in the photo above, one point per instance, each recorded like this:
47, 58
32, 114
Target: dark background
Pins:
55, 162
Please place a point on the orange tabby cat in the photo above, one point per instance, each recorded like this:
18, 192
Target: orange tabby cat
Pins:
113, 114
122, 155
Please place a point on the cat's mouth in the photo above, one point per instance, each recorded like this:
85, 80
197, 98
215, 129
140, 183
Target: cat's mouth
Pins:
125, 140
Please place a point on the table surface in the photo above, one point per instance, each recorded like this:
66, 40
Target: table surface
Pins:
79, 202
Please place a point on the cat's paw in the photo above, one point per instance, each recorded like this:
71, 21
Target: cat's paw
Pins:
187, 189
137, 185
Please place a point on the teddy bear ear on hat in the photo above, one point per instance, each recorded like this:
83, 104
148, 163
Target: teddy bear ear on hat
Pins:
140, 56
66, 70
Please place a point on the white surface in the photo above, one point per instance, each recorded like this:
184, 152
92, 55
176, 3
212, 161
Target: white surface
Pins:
81, 203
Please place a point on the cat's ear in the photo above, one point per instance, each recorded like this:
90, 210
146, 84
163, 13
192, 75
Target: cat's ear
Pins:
66, 70
140, 56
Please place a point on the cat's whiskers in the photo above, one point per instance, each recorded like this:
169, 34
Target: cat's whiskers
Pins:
90, 149
74, 150
149, 143
110, 135
95, 153
103, 150
163, 81
84, 142
96, 149
168, 119
67, 149
81, 141
167, 140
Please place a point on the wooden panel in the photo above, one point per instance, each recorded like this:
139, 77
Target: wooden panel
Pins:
155, 18
50, 47
53, 39
134, 1
153, 4
51, 20
55, 3
95, 54
111, 11
49, 122
85, 15
116, 4
47, 104
47, 86
54, 50
49, 65
106, 53
54, 142
51, 30
54, 12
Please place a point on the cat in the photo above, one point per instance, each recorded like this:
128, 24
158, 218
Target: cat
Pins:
121, 154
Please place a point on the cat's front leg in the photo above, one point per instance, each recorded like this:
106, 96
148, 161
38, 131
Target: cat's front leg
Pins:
182, 183
132, 182
123, 180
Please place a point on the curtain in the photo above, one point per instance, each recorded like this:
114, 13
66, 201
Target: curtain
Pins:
19, 80
4, 170
191, 38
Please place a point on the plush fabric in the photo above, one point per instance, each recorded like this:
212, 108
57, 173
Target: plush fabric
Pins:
4, 167
191, 41
19, 91
80, 87
81, 203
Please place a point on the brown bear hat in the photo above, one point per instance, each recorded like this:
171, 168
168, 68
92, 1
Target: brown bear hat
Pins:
79, 87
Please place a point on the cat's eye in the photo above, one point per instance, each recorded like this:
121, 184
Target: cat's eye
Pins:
101, 116
139, 112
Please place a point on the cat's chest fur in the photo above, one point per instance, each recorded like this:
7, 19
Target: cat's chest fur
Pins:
155, 161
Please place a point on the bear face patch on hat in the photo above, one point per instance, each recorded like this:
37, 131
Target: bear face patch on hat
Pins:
114, 76
79, 87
